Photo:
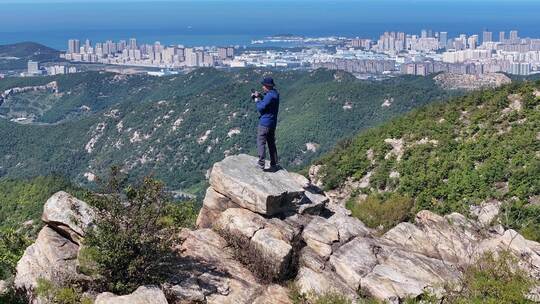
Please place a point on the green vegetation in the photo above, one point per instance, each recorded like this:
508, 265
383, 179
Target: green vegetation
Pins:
131, 244
383, 212
51, 293
22, 200
157, 125
493, 279
15, 56
448, 156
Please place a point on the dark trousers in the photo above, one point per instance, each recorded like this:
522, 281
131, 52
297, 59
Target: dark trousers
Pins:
265, 136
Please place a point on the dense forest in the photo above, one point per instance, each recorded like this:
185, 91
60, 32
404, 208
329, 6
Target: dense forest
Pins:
446, 157
176, 127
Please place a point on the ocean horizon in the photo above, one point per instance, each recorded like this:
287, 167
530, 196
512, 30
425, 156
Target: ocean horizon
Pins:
237, 22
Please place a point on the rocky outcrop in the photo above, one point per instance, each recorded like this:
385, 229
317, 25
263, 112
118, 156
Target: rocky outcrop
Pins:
53, 256
68, 215
238, 178
143, 295
327, 250
258, 230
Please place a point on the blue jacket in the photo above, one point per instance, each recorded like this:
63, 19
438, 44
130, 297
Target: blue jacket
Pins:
268, 108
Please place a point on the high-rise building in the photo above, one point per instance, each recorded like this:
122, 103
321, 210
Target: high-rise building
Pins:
514, 36
87, 45
132, 44
33, 67
472, 42
501, 36
443, 39
424, 34
487, 36
73, 46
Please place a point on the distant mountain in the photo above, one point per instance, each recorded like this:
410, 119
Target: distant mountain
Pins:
15, 56
178, 126
477, 149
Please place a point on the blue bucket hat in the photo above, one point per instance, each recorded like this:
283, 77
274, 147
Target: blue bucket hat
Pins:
268, 81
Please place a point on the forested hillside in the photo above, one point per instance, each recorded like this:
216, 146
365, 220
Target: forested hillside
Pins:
446, 157
176, 127
15, 56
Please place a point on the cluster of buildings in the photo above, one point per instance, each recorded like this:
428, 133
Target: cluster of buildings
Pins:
34, 69
393, 53
436, 52
150, 55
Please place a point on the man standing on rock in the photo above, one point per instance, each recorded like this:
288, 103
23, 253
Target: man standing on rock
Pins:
268, 107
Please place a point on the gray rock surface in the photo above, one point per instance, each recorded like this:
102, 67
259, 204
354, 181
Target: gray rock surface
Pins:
487, 211
268, 193
143, 295
213, 205
68, 215
51, 257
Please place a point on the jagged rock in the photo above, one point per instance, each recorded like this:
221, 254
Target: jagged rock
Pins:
240, 223
400, 274
143, 295
68, 215
527, 251
268, 193
187, 291
274, 294
451, 238
354, 260
262, 244
315, 204
213, 264
348, 226
486, 212
51, 257
310, 281
319, 234
213, 205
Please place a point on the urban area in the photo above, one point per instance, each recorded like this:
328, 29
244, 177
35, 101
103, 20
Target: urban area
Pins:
392, 54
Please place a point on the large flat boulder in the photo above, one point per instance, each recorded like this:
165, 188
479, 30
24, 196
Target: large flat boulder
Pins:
268, 193
52, 257
68, 215
143, 295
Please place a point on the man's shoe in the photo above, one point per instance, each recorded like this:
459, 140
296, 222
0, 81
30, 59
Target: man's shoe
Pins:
273, 168
260, 166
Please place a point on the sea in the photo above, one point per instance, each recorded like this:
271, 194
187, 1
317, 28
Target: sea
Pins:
238, 22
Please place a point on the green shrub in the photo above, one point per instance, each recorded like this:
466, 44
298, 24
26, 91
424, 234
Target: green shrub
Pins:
181, 214
523, 217
12, 246
54, 294
493, 279
378, 211
131, 244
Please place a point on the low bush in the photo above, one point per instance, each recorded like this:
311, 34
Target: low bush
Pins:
494, 278
131, 243
378, 211
51, 293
